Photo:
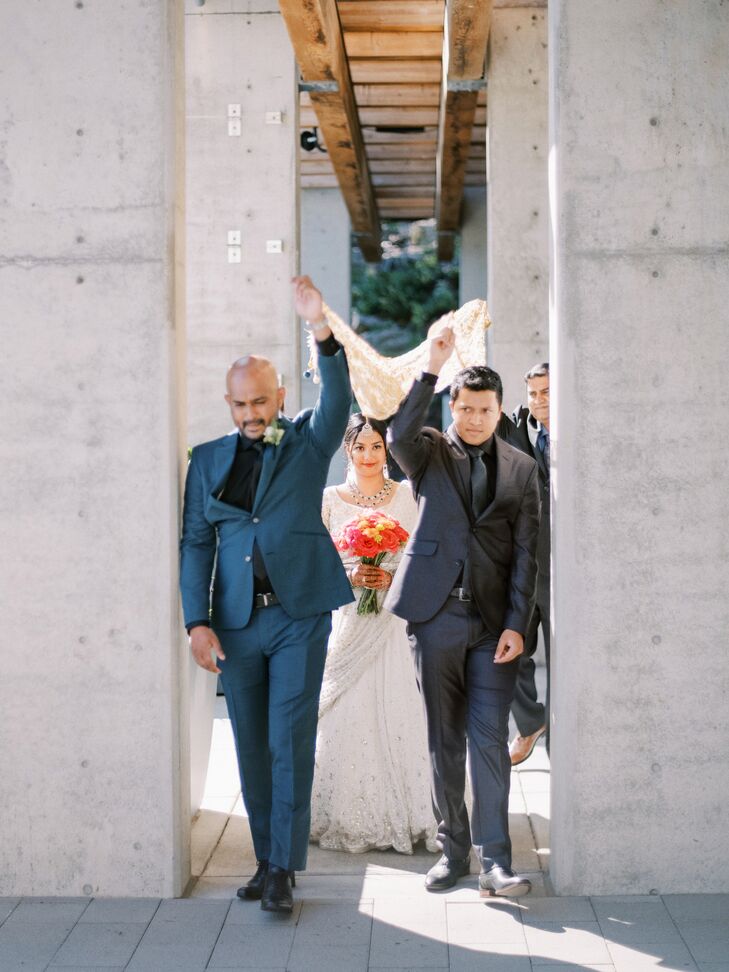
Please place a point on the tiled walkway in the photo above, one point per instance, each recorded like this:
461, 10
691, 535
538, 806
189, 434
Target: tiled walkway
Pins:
365, 912
383, 921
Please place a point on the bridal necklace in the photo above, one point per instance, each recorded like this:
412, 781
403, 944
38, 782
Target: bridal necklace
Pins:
375, 499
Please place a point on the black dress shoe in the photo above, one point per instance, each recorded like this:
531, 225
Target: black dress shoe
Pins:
502, 882
277, 894
445, 873
254, 889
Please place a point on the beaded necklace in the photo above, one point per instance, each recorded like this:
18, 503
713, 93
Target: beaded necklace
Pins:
376, 499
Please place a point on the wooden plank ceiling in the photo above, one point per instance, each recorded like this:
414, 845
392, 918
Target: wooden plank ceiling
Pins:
416, 103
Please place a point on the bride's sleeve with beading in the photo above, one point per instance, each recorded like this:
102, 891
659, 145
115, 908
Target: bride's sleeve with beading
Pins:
326, 509
333, 524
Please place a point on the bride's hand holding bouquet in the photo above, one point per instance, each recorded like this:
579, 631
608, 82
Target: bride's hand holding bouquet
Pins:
370, 537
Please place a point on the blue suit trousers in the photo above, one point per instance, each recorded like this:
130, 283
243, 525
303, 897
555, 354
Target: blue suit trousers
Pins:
272, 678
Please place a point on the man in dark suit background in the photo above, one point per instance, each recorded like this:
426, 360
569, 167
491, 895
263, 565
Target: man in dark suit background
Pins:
466, 588
252, 531
529, 431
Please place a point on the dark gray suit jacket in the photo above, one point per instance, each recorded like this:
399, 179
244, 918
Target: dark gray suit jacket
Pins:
521, 431
501, 544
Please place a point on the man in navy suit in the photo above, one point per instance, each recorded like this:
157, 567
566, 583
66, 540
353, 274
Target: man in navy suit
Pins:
466, 587
259, 577
528, 430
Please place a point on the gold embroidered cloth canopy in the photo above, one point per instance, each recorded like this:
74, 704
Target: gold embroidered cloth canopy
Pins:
380, 383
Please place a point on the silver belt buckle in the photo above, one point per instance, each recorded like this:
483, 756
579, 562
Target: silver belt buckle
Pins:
265, 599
464, 595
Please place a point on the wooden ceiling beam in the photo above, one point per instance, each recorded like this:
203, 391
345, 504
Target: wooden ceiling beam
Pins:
375, 136
393, 43
403, 179
411, 15
423, 180
380, 70
384, 95
417, 193
468, 23
400, 152
389, 96
387, 117
318, 43
396, 213
403, 165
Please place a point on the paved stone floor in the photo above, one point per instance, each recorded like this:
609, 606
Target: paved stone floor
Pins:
360, 912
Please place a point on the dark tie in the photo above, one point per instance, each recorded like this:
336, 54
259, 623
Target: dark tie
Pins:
259, 566
544, 445
479, 481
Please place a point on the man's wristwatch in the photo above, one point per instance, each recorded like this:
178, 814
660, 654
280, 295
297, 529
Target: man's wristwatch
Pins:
317, 327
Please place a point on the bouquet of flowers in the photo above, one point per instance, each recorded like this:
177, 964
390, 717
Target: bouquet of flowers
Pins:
370, 537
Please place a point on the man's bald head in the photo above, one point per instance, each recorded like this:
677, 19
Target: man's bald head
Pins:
252, 363
253, 394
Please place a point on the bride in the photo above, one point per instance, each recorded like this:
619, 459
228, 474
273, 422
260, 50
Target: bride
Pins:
371, 783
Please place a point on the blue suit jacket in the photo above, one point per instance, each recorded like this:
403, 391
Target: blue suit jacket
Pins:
217, 539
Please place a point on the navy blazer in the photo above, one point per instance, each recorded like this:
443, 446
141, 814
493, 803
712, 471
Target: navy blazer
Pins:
501, 542
216, 550
521, 431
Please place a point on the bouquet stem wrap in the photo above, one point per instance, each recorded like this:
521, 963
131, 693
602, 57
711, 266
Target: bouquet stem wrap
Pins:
367, 603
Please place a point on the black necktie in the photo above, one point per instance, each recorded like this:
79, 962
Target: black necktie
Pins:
479, 481
259, 566
544, 443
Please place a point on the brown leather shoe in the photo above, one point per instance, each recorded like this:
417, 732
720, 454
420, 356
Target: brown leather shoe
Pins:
522, 747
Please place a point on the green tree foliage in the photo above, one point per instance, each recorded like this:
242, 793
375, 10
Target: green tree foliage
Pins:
396, 301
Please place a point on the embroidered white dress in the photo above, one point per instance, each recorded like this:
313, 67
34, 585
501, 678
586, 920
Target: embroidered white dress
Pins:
371, 782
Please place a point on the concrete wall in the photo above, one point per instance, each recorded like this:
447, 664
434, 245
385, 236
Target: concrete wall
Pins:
640, 341
239, 53
326, 256
92, 767
518, 242
473, 268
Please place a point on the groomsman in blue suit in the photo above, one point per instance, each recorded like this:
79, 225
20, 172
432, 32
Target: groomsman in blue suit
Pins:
259, 577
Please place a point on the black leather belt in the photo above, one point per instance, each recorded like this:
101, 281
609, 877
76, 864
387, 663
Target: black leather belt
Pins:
265, 600
461, 594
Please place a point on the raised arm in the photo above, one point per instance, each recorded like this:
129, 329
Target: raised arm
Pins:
405, 438
329, 418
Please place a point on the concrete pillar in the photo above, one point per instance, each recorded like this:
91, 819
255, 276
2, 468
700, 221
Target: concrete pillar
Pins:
239, 53
518, 244
326, 256
640, 344
241, 79
473, 268
92, 753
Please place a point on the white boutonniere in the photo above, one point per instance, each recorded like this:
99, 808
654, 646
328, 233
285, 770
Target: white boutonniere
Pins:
273, 434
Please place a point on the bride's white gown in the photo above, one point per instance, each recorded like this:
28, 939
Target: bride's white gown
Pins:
371, 782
